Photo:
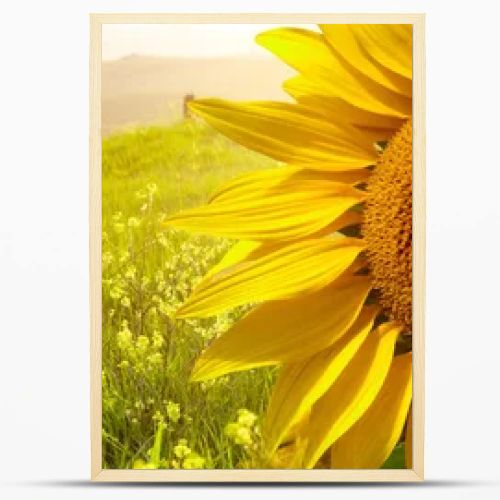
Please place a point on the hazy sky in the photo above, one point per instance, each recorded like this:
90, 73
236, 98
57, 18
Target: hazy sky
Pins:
183, 40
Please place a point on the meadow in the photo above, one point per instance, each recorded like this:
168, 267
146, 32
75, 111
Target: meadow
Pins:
153, 416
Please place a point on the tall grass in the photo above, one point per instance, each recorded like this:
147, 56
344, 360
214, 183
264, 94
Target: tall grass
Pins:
152, 415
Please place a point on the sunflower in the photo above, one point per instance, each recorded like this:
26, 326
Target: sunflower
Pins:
325, 247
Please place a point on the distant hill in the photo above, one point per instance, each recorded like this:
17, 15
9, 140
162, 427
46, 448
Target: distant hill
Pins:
145, 90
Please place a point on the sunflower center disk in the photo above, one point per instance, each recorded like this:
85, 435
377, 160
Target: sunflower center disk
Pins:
387, 226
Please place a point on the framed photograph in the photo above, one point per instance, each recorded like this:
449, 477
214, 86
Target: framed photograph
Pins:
257, 246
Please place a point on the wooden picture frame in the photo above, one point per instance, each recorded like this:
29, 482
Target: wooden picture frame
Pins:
264, 475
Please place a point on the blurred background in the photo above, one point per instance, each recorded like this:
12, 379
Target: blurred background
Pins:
147, 69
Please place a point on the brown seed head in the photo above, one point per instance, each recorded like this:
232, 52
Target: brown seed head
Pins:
387, 226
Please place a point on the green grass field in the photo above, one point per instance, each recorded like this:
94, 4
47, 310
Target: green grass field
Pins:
153, 417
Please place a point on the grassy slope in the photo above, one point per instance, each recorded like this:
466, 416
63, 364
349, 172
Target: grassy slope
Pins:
147, 272
187, 161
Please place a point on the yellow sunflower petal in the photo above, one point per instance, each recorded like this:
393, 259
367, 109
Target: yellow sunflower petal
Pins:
296, 430
296, 207
245, 186
303, 266
289, 456
288, 133
311, 96
389, 44
409, 441
246, 251
301, 384
240, 251
309, 53
351, 394
370, 441
344, 43
285, 330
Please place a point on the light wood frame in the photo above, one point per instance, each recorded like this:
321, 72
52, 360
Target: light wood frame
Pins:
260, 475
